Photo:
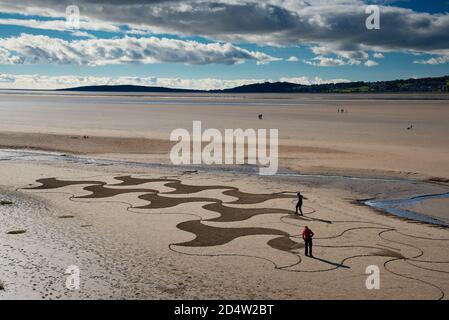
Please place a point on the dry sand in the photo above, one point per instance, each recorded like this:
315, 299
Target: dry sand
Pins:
163, 232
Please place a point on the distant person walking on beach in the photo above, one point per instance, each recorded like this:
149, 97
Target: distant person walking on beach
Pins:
299, 203
260, 116
307, 235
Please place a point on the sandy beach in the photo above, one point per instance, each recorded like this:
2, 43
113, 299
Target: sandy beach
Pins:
87, 181
371, 135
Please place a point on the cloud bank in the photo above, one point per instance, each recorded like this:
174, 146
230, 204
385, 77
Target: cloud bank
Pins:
31, 49
10, 81
338, 25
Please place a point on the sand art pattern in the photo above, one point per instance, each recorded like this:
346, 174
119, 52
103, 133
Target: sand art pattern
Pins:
227, 221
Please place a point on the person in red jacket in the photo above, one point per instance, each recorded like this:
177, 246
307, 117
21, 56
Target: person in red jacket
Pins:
307, 235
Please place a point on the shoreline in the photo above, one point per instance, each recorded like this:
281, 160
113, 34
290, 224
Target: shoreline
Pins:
143, 149
424, 96
371, 138
391, 205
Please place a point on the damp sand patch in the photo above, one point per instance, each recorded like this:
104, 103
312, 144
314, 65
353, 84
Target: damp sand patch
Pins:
416, 208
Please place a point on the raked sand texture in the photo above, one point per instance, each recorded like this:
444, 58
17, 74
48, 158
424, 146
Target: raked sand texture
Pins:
178, 235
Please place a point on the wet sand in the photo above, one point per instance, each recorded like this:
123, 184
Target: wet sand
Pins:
166, 233
150, 230
371, 137
438, 208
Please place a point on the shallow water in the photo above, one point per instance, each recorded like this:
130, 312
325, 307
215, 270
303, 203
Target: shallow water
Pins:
408, 192
397, 207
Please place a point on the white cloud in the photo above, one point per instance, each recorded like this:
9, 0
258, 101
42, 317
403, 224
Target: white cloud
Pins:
378, 55
434, 60
78, 33
59, 25
292, 59
321, 61
371, 63
7, 78
10, 81
299, 80
334, 22
30, 49
331, 56
307, 81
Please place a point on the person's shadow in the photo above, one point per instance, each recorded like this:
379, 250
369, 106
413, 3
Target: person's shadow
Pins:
338, 265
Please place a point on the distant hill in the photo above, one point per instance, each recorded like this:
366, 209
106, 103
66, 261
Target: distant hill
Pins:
440, 84
125, 88
266, 87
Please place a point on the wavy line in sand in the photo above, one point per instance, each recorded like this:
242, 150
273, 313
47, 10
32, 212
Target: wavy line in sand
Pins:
208, 236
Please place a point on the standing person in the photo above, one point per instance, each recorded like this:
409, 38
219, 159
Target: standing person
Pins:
299, 203
307, 235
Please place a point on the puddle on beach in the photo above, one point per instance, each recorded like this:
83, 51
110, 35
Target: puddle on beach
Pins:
416, 208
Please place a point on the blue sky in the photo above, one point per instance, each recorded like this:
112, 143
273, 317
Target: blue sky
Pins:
208, 45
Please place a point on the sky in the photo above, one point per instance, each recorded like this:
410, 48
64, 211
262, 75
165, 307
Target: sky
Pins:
49, 44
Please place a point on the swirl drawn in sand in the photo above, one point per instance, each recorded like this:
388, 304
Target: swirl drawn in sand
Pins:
206, 236
214, 235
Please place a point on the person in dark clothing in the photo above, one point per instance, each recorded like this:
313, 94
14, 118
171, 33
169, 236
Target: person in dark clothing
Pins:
307, 235
299, 203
